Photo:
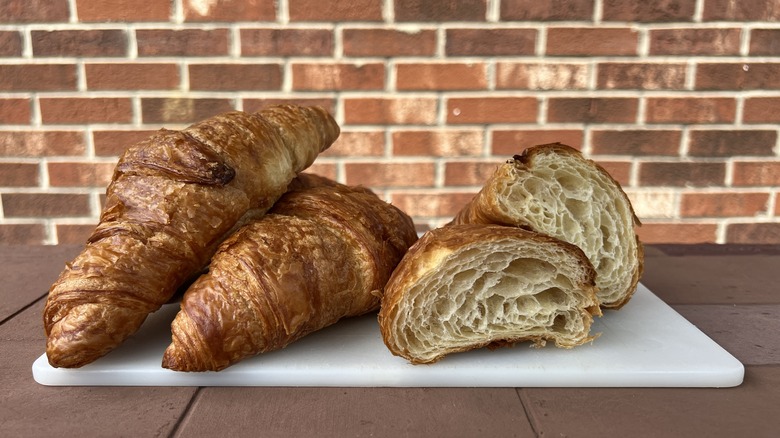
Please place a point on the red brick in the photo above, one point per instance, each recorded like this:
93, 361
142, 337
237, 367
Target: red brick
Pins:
677, 233
723, 204
431, 204
752, 173
233, 77
390, 111
738, 76
81, 43
438, 143
468, 173
45, 205
441, 76
338, 76
358, 144
252, 105
326, 169
636, 142
351, 10
690, 110
490, 42
440, 10
19, 175
553, 10
123, 10
229, 10
22, 234
10, 43
765, 42
127, 76
388, 42
184, 42
34, 11
114, 143
584, 41
38, 77
728, 143
41, 143
486, 110
743, 10
80, 174
679, 174
641, 76
619, 170
761, 110
644, 11
511, 142
81, 110
286, 42
181, 110
751, 233
535, 76
592, 110
390, 174
73, 234
15, 111
684, 42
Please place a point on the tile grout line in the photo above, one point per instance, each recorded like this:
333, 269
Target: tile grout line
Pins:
187, 409
525, 403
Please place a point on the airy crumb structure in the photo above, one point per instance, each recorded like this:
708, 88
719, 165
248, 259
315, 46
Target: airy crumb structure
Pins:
463, 287
553, 189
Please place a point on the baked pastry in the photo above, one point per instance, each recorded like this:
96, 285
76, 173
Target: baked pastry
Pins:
553, 189
172, 200
462, 287
321, 254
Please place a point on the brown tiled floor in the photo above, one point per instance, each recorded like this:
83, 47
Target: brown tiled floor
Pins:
729, 292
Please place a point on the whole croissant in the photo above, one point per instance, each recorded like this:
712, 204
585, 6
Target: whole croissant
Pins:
321, 254
172, 200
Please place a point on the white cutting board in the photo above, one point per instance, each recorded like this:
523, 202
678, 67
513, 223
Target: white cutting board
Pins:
645, 344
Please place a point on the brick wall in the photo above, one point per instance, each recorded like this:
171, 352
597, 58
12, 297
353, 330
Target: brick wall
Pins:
679, 100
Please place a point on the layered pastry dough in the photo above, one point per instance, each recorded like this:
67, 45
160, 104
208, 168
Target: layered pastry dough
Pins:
463, 287
553, 189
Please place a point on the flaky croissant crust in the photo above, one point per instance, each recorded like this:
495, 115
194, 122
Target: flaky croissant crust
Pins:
321, 254
172, 200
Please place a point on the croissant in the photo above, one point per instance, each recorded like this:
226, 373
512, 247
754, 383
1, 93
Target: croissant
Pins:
553, 189
321, 254
172, 200
463, 287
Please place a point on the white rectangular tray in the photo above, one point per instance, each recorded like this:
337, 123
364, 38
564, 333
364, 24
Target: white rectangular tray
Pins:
645, 344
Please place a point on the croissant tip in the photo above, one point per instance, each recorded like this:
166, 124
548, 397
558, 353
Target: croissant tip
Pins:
169, 360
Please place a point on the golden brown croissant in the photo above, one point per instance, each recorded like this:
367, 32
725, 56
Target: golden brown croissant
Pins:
553, 189
172, 200
321, 254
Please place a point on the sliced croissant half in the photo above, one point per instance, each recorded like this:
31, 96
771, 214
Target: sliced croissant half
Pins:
463, 287
553, 189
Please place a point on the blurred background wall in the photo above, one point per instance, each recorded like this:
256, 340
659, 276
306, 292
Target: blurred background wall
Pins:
678, 99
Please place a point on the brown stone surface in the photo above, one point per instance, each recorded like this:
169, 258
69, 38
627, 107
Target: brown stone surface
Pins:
739, 329
727, 291
747, 410
30, 409
390, 412
27, 273
708, 279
